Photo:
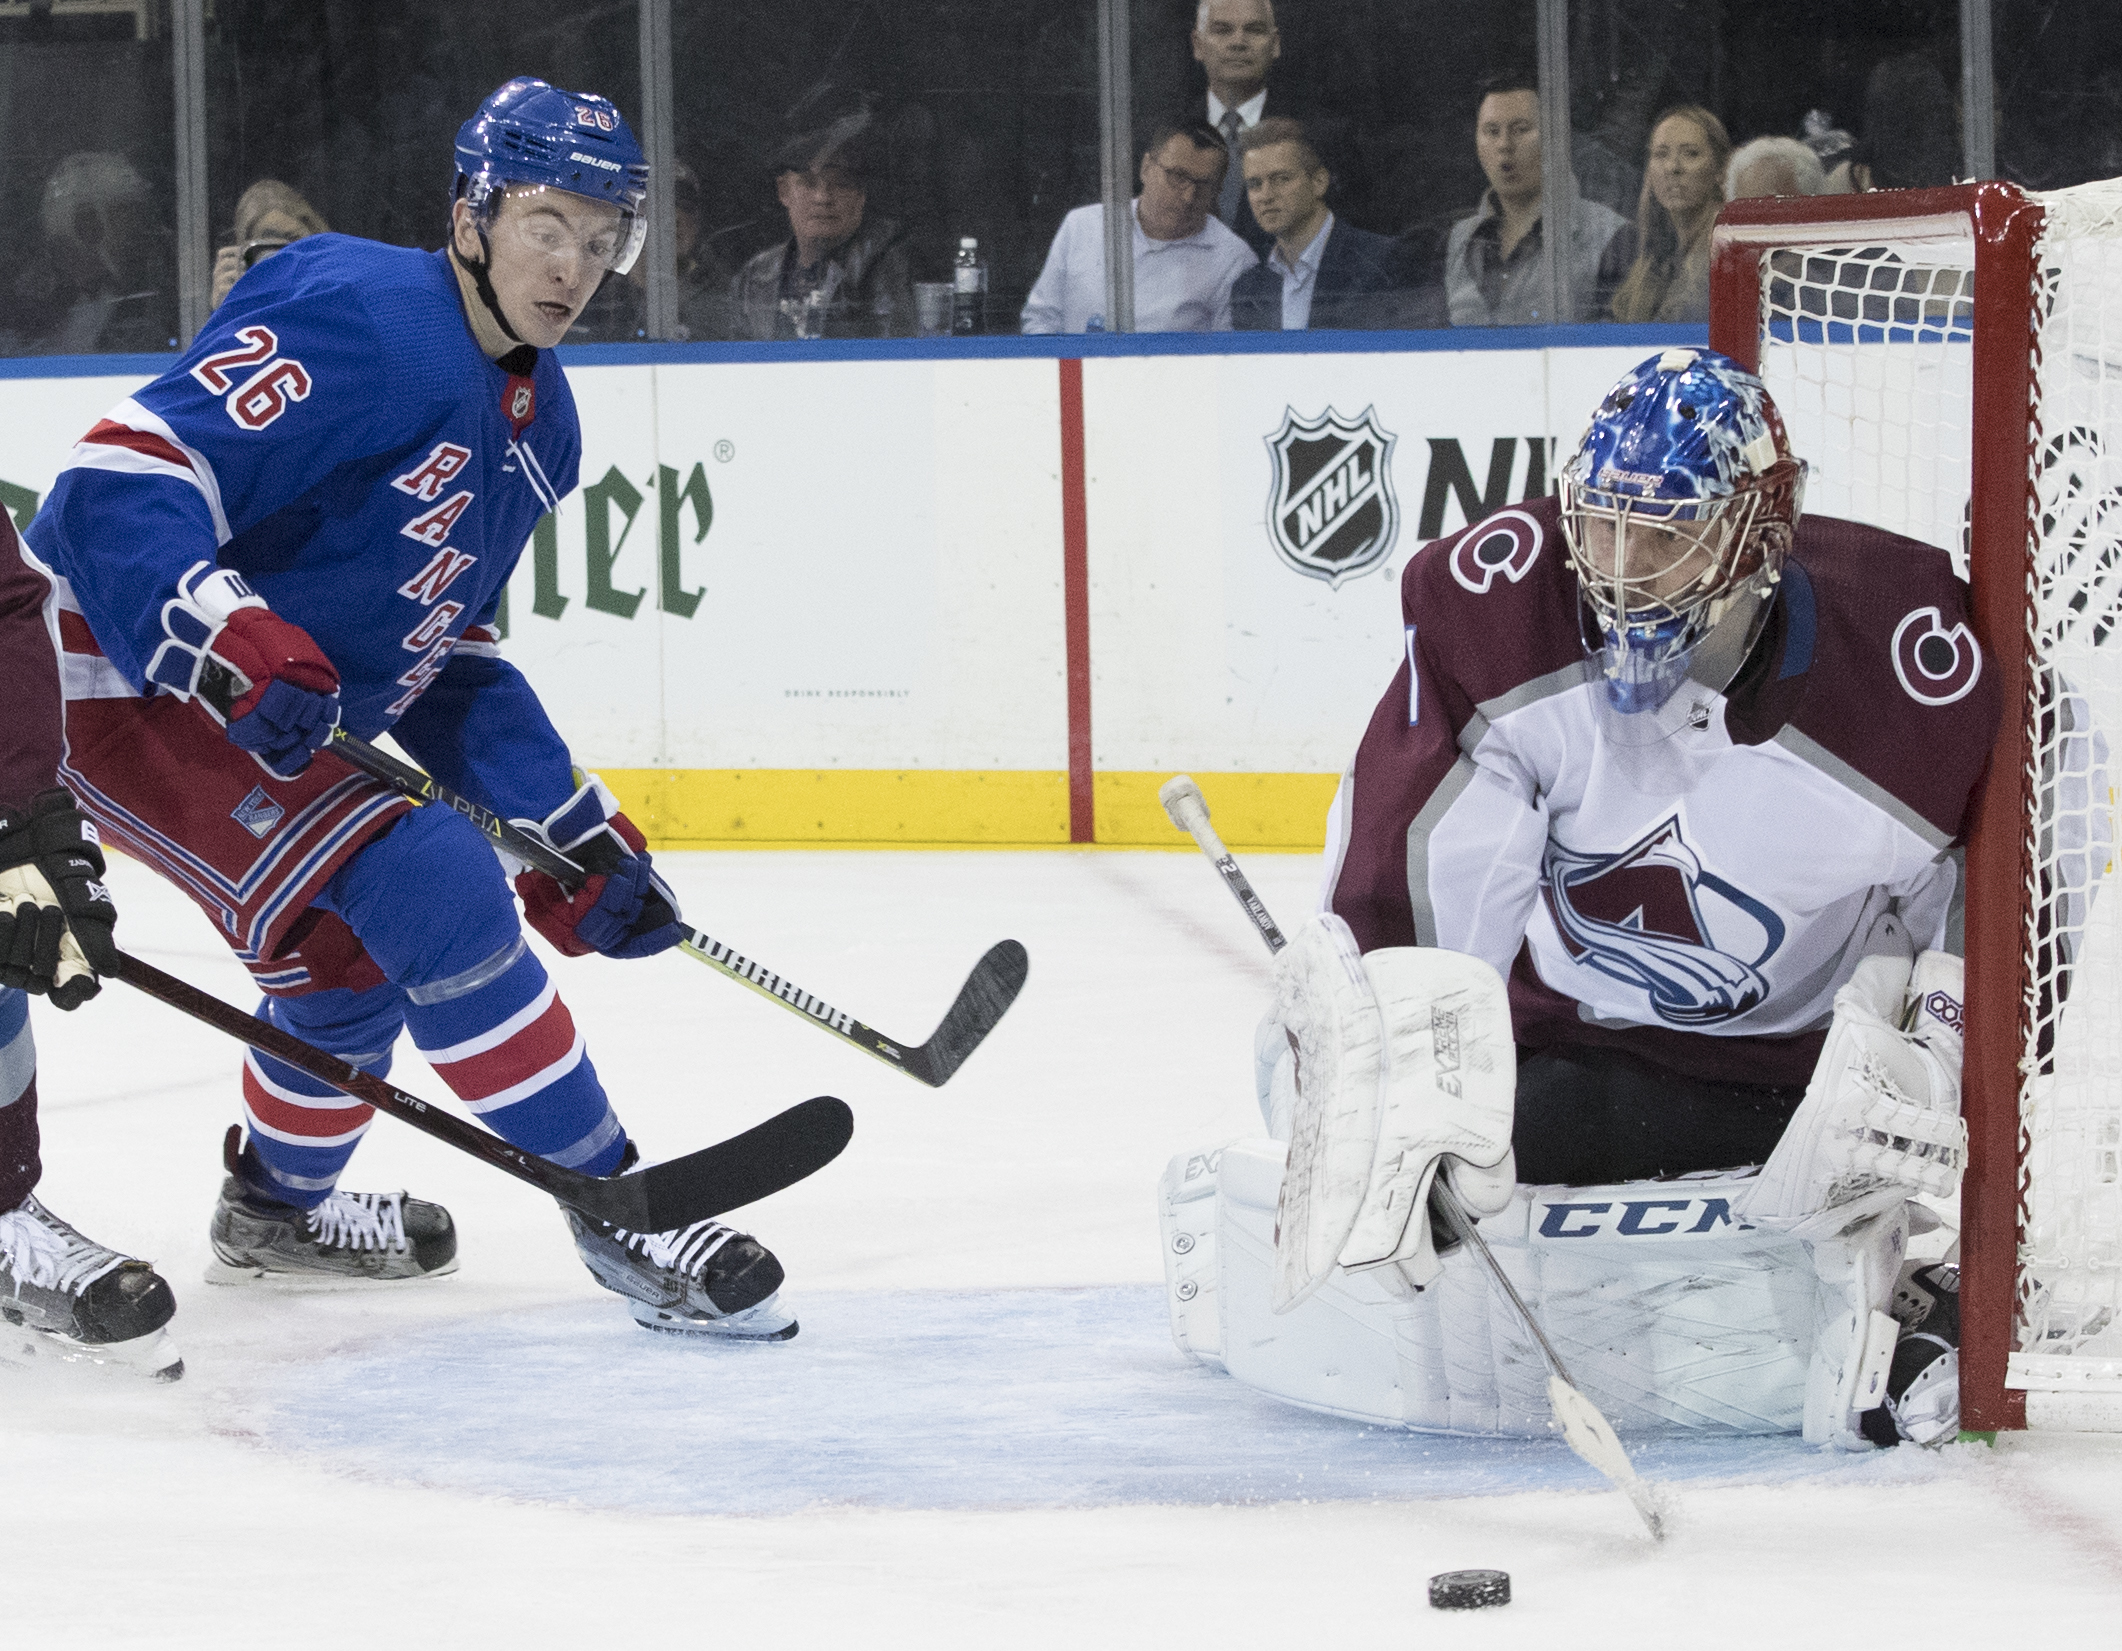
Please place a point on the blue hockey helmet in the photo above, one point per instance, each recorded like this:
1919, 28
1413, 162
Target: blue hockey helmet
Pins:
530, 132
1679, 500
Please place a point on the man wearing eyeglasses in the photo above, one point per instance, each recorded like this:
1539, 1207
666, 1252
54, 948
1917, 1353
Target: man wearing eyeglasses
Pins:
1185, 261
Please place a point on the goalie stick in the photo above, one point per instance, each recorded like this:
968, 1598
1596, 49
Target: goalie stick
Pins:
1587, 1431
659, 1198
981, 1002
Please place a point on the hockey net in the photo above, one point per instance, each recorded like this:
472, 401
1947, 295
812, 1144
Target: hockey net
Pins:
1950, 364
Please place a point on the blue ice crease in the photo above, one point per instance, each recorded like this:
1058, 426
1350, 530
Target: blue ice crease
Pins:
910, 1399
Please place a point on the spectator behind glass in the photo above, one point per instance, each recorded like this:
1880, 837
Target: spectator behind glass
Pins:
1772, 166
619, 311
1185, 261
1835, 149
1492, 275
842, 273
1683, 185
1911, 127
1237, 45
1320, 272
104, 284
269, 215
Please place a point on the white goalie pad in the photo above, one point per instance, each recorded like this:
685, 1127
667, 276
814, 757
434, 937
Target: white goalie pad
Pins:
1397, 1058
1673, 1317
1880, 1122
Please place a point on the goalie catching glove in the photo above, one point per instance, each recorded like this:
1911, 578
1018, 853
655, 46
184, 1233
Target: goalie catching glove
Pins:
1880, 1121
285, 702
56, 916
1401, 1058
623, 908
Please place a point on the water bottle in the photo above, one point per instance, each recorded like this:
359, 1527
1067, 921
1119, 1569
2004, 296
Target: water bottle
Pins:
968, 287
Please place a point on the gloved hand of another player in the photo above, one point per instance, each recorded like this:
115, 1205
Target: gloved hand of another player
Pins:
623, 908
292, 704
56, 916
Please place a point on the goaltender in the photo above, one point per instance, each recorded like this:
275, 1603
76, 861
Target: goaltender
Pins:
1691, 771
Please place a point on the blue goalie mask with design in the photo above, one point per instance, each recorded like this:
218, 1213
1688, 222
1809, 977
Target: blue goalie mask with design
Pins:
1679, 501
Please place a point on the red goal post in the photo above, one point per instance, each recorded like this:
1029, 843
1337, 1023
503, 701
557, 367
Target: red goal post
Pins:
1910, 339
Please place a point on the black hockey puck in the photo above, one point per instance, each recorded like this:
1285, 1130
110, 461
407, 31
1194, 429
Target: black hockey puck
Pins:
1469, 1590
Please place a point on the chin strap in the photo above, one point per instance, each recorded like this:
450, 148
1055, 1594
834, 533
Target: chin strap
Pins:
483, 283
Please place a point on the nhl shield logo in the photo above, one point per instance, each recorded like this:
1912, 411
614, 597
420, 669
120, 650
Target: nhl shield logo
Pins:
1331, 512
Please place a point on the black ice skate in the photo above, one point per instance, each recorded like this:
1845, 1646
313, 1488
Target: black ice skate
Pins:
350, 1238
75, 1298
706, 1279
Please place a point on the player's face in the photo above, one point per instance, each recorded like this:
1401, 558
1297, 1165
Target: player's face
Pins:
1657, 562
1683, 167
548, 251
1237, 41
1285, 190
1179, 184
1507, 141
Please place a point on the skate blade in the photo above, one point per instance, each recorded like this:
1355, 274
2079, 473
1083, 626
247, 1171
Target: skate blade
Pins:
765, 1322
259, 1277
153, 1355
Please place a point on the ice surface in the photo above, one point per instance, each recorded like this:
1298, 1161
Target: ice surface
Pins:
893, 1399
983, 1436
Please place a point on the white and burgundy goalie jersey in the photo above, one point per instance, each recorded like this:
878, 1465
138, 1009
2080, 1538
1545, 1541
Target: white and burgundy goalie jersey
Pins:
1690, 885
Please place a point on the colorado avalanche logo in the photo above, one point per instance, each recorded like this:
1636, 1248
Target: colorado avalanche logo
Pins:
1331, 512
1651, 917
1936, 666
1507, 543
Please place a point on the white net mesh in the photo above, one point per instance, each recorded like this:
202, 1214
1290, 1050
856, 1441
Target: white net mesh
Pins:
1867, 350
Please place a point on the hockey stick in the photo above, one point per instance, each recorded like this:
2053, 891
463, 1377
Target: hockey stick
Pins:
1587, 1431
981, 1002
740, 1170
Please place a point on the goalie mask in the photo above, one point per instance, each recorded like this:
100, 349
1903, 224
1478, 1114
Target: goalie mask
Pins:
1677, 509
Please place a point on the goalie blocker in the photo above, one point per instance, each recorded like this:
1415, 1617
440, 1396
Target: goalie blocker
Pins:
1297, 1268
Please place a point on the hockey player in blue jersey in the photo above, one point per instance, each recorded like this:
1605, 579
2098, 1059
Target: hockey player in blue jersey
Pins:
326, 497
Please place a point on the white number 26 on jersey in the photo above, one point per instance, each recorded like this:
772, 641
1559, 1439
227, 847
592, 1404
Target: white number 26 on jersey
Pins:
263, 395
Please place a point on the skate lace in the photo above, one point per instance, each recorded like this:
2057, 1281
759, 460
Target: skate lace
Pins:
360, 1221
684, 1249
43, 1251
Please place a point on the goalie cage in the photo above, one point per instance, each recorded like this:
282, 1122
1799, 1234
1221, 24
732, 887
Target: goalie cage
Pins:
1950, 361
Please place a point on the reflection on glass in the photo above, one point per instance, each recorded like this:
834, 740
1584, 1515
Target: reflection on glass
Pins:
88, 190
2059, 91
351, 107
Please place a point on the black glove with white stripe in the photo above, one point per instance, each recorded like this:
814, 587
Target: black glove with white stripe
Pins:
56, 916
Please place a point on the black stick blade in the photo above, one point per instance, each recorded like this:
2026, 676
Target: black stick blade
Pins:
741, 1170
984, 999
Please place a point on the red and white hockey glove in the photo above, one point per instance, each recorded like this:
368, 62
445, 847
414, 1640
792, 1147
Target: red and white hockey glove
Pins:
286, 702
623, 909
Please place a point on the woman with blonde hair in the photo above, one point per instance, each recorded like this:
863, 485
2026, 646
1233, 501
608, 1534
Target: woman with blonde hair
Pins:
1683, 185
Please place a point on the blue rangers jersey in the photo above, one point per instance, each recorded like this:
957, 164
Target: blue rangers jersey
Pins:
336, 436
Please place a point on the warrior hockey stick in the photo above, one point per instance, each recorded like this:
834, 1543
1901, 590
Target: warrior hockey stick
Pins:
740, 1170
1588, 1432
981, 1002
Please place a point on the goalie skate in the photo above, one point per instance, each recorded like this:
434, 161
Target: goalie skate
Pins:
71, 1296
351, 1238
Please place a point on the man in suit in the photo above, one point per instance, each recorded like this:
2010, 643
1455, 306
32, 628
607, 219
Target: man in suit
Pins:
1237, 45
1319, 271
